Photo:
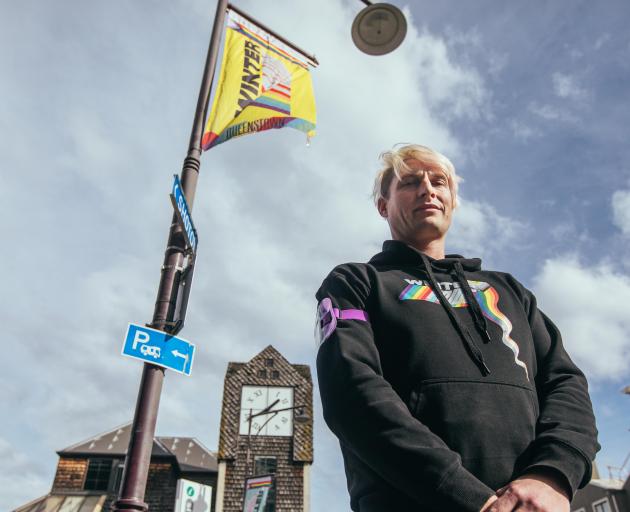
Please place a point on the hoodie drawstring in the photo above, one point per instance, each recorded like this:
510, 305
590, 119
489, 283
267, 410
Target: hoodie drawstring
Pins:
464, 333
477, 314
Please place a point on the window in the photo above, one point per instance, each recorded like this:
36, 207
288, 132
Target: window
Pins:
119, 467
268, 362
275, 374
265, 465
602, 506
98, 473
262, 374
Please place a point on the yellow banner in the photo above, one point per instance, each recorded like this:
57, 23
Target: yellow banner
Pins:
263, 84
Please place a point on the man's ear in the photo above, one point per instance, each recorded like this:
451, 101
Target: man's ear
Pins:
381, 204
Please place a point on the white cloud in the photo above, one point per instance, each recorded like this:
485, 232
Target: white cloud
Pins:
589, 305
569, 232
601, 41
621, 210
551, 113
18, 473
522, 131
480, 230
567, 87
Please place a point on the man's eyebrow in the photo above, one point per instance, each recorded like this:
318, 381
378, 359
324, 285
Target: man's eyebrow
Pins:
429, 170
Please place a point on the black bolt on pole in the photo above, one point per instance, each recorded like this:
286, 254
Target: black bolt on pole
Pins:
138, 458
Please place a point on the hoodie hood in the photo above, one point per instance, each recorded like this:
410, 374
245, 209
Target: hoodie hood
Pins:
396, 252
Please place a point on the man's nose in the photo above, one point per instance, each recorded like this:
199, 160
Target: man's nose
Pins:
426, 188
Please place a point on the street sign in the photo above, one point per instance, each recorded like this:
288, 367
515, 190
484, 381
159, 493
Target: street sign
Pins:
183, 213
192, 496
183, 284
160, 348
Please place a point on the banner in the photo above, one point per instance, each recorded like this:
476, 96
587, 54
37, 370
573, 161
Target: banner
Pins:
263, 84
257, 493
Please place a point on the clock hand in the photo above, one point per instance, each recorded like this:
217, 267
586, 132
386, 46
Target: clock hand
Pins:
268, 408
268, 420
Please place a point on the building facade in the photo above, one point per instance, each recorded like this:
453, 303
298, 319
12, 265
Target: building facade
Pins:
603, 495
266, 429
89, 473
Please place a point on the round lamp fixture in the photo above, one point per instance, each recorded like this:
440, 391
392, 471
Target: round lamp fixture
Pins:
379, 29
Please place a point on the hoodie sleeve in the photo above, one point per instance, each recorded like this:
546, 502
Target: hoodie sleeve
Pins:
566, 435
371, 419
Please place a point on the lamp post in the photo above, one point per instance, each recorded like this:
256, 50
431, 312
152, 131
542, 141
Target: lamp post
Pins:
374, 30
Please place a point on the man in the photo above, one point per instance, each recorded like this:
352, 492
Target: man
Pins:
449, 390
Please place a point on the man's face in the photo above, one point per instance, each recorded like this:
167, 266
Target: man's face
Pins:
419, 207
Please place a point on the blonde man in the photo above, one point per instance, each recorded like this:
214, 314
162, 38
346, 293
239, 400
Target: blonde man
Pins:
449, 390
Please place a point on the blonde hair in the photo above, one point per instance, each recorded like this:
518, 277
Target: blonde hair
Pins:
394, 165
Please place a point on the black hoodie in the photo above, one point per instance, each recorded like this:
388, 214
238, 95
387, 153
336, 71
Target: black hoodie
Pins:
437, 404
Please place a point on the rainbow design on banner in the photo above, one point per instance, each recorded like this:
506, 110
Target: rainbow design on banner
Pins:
263, 84
486, 296
262, 482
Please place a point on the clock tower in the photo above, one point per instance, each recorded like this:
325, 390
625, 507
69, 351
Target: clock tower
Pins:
266, 430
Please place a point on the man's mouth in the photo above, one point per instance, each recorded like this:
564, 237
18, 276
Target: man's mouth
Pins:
428, 207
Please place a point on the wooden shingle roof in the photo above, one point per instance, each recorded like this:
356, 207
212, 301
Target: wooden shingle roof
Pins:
190, 454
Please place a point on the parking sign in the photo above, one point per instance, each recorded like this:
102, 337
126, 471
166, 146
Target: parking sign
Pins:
159, 348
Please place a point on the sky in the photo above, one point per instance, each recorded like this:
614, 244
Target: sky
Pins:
529, 100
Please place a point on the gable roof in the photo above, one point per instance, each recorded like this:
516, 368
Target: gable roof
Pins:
301, 372
189, 453
607, 483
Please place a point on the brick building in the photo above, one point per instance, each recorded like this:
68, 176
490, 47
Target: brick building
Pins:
277, 443
89, 473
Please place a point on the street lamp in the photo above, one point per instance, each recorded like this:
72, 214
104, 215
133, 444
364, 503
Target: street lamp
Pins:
379, 28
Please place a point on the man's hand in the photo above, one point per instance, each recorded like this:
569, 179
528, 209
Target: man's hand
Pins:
529, 493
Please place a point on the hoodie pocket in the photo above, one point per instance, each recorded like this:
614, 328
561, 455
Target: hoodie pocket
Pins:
490, 424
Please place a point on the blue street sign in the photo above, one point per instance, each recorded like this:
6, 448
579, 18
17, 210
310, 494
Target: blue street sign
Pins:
183, 213
159, 348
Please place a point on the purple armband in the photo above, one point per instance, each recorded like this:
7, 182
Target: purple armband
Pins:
327, 318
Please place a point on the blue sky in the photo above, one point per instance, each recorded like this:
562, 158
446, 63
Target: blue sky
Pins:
530, 101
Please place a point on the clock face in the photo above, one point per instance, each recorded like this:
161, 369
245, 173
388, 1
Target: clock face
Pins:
256, 398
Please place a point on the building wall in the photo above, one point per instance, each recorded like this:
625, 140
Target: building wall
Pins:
289, 474
585, 497
70, 474
161, 487
161, 484
292, 453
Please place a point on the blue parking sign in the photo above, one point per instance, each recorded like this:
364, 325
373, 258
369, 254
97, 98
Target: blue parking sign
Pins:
159, 348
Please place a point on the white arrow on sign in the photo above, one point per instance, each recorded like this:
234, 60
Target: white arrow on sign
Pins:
177, 353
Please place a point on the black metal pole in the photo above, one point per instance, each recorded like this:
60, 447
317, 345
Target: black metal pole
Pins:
261, 25
138, 458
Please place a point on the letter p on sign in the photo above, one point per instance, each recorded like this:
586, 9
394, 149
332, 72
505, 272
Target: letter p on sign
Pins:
140, 337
